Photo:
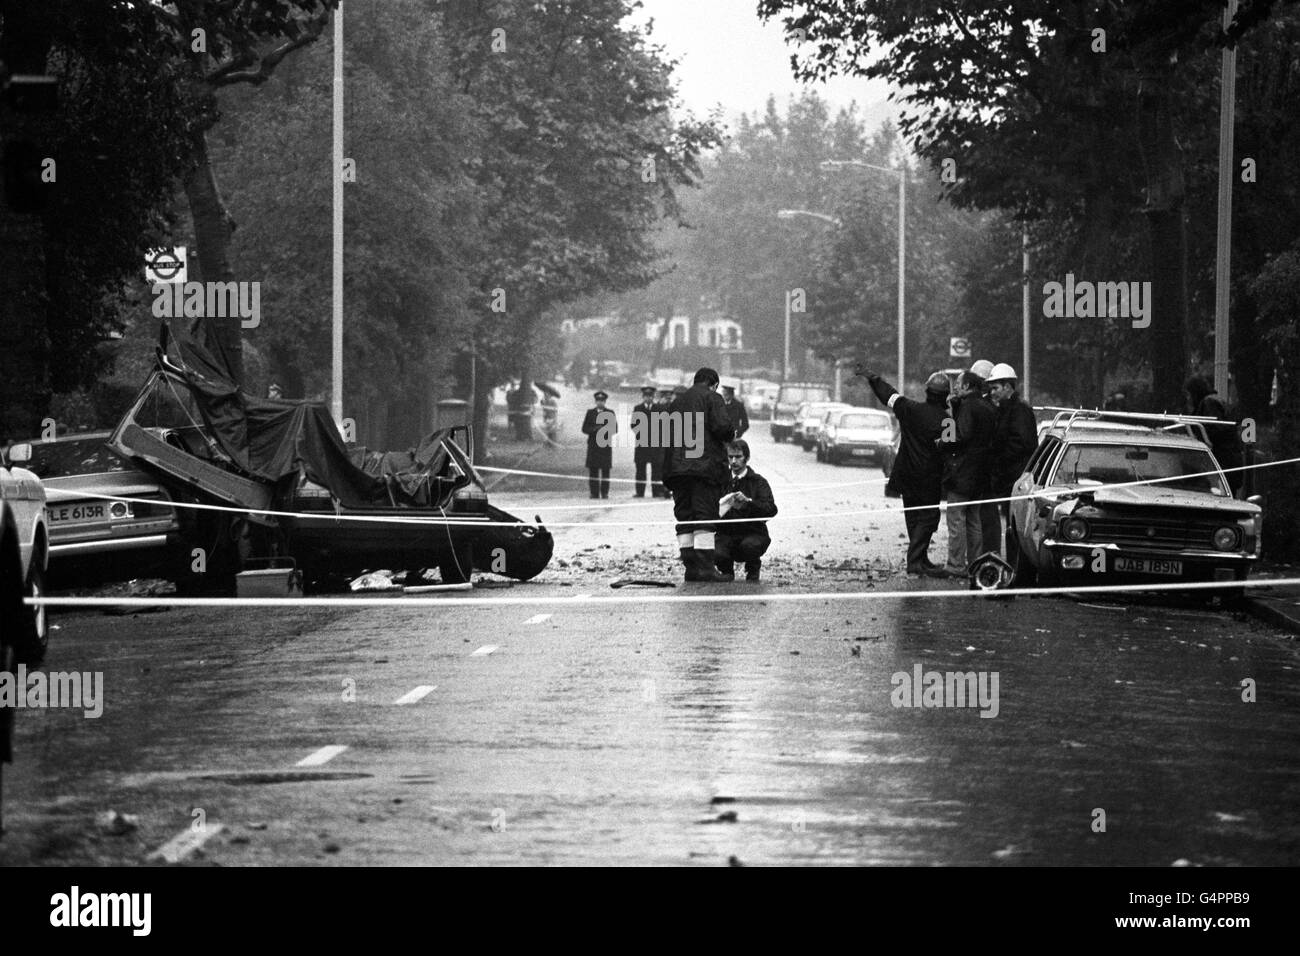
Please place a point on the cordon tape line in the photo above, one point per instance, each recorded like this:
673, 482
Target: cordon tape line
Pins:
413, 602
482, 522
556, 474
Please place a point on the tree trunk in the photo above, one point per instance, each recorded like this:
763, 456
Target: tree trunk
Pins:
24, 301
213, 227
1167, 236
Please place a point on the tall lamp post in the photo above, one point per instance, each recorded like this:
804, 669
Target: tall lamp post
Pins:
902, 243
336, 369
791, 214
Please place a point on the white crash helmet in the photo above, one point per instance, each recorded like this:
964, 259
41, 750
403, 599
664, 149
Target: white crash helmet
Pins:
1002, 372
983, 368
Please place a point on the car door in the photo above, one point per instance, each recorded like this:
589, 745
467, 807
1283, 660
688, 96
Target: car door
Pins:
1024, 509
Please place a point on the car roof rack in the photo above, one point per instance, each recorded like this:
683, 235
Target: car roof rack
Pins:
1194, 426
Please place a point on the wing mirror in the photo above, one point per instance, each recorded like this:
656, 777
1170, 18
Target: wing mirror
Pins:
1256, 500
19, 454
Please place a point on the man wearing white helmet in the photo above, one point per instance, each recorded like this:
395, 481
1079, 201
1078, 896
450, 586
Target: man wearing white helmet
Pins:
1015, 435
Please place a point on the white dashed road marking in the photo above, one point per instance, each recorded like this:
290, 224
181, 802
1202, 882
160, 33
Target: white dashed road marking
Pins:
484, 650
417, 695
186, 842
537, 619
324, 755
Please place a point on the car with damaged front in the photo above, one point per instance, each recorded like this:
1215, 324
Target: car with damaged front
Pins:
273, 478
107, 519
1130, 500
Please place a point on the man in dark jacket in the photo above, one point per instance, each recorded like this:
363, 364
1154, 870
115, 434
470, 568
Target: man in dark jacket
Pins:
644, 428
918, 468
1015, 436
735, 408
1225, 442
967, 447
748, 495
695, 469
599, 425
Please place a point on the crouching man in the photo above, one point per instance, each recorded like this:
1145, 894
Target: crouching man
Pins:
748, 495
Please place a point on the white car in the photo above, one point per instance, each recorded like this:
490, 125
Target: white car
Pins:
24, 552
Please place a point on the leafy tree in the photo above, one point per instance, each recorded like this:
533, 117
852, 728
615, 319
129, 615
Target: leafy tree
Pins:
118, 140
582, 158
1046, 116
410, 216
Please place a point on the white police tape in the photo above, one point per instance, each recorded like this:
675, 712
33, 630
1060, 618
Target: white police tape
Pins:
714, 597
480, 522
555, 474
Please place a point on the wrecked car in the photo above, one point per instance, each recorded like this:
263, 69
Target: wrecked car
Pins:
1074, 527
277, 480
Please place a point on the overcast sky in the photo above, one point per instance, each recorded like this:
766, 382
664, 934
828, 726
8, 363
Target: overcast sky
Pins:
728, 56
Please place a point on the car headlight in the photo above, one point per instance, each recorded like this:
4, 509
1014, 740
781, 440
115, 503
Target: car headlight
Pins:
1225, 538
1074, 529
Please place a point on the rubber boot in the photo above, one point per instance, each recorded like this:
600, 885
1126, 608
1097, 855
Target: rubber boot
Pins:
752, 569
688, 559
706, 569
726, 567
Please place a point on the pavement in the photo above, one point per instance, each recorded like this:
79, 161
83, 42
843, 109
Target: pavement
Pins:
1278, 606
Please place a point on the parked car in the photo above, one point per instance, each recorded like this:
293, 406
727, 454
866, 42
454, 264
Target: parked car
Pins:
1074, 528
91, 537
857, 434
295, 490
24, 554
788, 400
760, 397
808, 422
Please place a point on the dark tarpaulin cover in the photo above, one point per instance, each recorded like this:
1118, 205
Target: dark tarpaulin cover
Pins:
272, 438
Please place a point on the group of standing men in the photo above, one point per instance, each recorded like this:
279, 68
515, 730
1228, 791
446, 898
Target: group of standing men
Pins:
647, 458
970, 440
708, 478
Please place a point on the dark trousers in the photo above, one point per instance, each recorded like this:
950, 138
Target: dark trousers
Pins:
598, 482
656, 484
921, 526
991, 528
694, 499
747, 547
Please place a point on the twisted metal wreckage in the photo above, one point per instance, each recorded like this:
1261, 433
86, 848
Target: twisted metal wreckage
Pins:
277, 480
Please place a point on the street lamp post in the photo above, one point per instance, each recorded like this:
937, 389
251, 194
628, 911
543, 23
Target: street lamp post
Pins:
336, 369
791, 214
902, 245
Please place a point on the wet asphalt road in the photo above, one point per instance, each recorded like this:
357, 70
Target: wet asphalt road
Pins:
674, 733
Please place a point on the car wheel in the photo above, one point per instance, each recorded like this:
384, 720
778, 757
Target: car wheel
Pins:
35, 637
834, 458
459, 566
821, 454
1023, 572
1230, 599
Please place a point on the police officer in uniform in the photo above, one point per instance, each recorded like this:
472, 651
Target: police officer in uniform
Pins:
599, 425
735, 408
644, 427
918, 470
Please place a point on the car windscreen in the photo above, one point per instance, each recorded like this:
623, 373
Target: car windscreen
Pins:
1116, 464
864, 420
89, 456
